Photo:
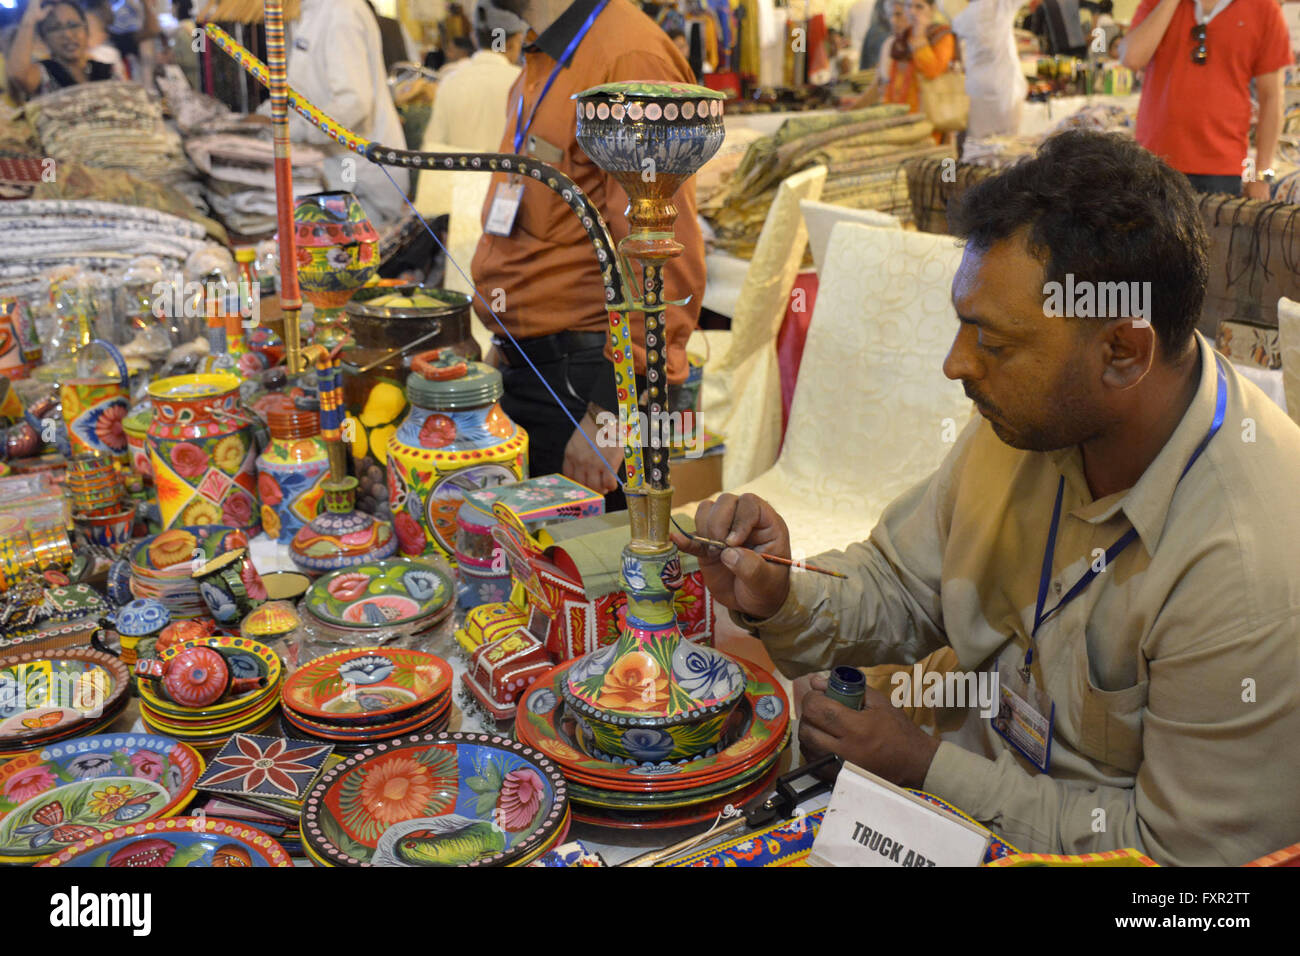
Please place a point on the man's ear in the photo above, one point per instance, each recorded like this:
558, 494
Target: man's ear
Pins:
1129, 350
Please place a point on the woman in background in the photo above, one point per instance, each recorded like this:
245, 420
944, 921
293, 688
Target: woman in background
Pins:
918, 48
61, 26
994, 81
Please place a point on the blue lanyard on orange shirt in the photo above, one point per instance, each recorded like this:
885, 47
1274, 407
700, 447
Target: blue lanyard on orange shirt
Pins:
521, 128
1220, 407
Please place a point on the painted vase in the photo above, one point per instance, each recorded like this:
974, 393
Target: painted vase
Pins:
18, 343
341, 536
338, 252
291, 471
203, 453
376, 397
455, 439
136, 427
137, 621
94, 408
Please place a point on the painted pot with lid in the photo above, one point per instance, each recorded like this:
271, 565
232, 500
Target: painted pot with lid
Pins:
291, 472
202, 451
455, 439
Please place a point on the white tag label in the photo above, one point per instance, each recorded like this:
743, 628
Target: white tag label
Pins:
505, 206
871, 822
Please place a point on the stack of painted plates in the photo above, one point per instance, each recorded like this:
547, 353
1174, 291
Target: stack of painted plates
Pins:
75, 791
52, 695
208, 727
379, 601
358, 696
437, 800
657, 794
161, 566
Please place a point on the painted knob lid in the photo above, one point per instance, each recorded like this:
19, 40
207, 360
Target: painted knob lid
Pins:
142, 617
271, 620
445, 381
196, 677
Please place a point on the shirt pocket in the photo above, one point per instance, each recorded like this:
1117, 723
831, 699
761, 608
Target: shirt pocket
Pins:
1110, 721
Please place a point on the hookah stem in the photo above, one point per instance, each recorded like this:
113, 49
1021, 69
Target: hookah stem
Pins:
654, 442
593, 223
277, 82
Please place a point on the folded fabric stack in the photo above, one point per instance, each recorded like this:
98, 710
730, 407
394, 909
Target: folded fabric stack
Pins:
239, 175
113, 125
41, 234
863, 152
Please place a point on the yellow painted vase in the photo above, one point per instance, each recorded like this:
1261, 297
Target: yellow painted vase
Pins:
455, 439
202, 451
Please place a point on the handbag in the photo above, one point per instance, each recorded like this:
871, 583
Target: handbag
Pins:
944, 100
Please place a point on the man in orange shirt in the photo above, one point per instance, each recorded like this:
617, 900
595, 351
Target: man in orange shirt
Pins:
539, 272
1199, 57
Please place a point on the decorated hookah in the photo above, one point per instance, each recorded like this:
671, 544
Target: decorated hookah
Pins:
650, 696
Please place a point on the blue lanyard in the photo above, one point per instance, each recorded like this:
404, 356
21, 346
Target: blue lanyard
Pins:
521, 128
1220, 407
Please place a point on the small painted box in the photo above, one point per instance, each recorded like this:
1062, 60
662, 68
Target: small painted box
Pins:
501, 671
488, 623
540, 501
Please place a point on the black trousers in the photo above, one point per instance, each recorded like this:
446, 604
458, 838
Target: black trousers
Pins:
573, 378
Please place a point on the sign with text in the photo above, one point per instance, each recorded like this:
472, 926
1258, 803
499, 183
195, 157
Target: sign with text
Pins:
871, 822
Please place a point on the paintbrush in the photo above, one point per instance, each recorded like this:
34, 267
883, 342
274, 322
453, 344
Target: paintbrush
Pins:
771, 558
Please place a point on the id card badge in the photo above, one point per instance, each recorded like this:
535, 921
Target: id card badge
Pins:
505, 206
1026, 714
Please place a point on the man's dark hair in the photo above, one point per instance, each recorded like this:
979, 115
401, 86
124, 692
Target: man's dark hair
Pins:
1100, 207
466, 44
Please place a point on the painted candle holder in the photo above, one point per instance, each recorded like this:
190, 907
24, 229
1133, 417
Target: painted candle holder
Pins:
341, 536
291, 472
455, 439
202, 451
93, 484
338, 252
94, 408
230, 586
108, 530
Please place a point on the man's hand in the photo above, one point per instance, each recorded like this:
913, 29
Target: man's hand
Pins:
879, 738
1258, 190
583, 465
738, 578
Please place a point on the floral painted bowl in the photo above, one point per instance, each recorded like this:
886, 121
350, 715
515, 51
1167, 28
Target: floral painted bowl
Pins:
389, 593
180, 841
437, 800
75, 790
366, 685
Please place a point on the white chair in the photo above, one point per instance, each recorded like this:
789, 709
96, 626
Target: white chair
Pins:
821, 217
740, 397
873, 413
1288, 331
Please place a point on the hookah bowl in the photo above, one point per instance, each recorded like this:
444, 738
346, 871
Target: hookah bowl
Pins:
338, 253
651, 696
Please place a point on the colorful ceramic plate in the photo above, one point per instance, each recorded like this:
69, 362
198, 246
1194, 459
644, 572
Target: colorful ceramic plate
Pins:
379, 594
619, 800
180, 841
436, 800
366, 685
73, 791
763, 716
670, 818
49, 694
89, 728
396, 728
244, 657
350, 745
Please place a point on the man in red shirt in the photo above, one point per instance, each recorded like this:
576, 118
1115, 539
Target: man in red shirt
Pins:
1199, 57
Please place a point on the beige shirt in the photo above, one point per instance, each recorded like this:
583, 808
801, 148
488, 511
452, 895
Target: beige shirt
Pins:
1175, 674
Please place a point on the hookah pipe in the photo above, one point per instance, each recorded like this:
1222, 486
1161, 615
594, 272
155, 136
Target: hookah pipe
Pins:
616, 272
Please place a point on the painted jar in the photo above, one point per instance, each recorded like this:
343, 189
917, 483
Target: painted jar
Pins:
290, 472
136, 427
203, 453
455, 439
94, 407
484, 575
